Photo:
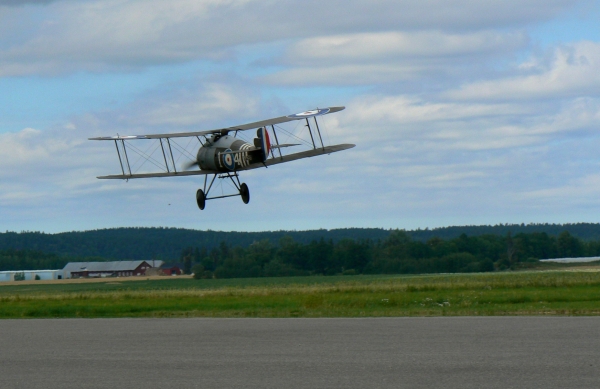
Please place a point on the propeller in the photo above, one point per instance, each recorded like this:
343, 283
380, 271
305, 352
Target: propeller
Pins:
190, 165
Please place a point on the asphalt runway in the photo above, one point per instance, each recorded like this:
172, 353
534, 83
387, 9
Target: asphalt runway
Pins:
460, 352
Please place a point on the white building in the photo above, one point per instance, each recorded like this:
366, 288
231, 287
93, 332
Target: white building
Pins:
30, 275
572, 260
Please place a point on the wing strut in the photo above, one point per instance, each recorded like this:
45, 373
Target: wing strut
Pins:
276, 140
311, 135
171, 152
119, 154
319, 132
164, 155
126, 158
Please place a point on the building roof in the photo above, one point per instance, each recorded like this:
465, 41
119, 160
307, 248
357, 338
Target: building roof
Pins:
155, 262
75, 267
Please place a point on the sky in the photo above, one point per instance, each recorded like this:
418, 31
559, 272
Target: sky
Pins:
463, 112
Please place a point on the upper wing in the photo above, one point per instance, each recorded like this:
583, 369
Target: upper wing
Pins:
241, 127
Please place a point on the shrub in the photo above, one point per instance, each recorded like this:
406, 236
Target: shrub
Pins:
200, 273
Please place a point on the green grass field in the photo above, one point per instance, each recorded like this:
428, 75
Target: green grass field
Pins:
510, 293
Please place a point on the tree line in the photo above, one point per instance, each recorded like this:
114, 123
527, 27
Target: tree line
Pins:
167, 243
27, 259
396, 254
161, 243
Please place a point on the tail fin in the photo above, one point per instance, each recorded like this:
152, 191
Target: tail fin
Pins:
265, 142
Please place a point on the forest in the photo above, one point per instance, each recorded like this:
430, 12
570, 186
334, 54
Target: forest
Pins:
398, 253
167, 243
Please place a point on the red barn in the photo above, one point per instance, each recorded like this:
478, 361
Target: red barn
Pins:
105, 269
171, 270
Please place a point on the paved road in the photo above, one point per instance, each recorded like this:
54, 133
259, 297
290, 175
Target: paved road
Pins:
473, 352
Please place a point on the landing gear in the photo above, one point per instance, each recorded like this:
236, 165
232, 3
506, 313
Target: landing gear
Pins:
202, 195
200, 199
245, 193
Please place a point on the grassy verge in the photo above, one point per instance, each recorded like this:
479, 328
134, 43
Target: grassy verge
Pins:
515, 293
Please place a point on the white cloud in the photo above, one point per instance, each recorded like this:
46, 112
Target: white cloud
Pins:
344, 75
393, 56
576, 191
461, 160
573, 72
17, 3
28, 146
117, 34
409, 109
437, 126
374, 47
197, 107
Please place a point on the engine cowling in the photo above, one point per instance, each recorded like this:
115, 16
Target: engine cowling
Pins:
214, 154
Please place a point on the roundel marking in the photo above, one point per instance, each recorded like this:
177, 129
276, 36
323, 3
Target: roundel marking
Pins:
228, 160
312, 112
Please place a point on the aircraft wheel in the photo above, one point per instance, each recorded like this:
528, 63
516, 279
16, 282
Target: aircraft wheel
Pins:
200, 199
245, 193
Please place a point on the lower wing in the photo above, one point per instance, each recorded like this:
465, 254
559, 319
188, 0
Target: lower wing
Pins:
269, 162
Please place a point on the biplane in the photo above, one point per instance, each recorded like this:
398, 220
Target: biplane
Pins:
223, 154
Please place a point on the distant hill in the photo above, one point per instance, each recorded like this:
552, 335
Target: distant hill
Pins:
162, 243
167, 243
585, 231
